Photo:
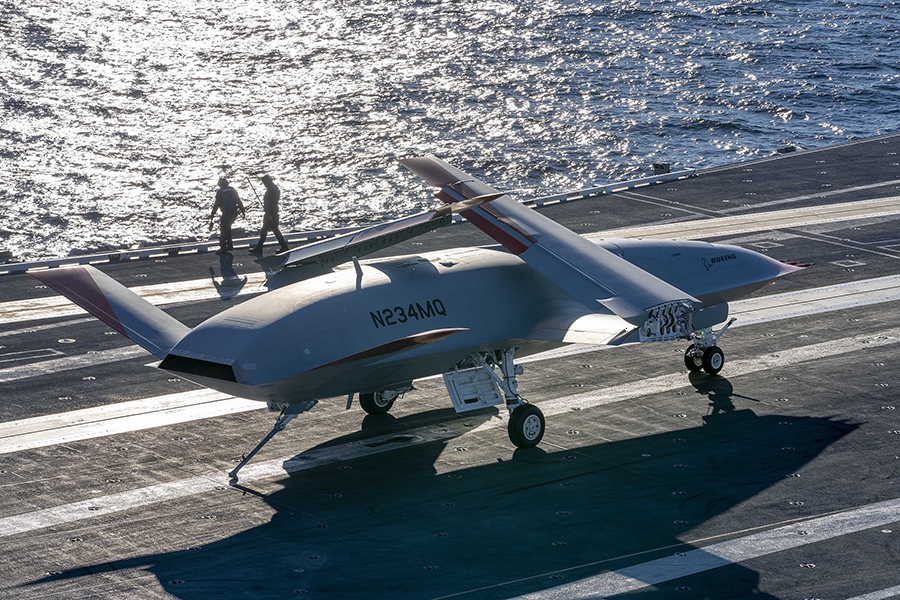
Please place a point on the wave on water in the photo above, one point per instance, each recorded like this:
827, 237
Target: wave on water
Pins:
118, 118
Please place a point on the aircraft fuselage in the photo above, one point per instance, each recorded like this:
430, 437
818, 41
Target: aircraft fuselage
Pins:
413, 316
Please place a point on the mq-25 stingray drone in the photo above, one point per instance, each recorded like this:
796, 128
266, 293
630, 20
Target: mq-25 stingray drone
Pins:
465, 313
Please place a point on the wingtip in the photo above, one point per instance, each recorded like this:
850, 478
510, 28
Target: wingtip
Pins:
54, 274
433, 170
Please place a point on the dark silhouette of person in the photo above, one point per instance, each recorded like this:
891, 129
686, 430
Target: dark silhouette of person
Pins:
228, 201
270, 219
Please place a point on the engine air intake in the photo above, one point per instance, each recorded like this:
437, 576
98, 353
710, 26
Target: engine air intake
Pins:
195, 366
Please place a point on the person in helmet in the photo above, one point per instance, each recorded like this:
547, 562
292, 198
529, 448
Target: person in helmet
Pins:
270, 219
228, 201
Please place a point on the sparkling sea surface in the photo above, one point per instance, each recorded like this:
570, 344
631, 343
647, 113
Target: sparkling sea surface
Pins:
118, 117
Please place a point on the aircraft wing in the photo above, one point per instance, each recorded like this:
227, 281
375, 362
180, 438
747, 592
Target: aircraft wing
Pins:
325, 254
594, 276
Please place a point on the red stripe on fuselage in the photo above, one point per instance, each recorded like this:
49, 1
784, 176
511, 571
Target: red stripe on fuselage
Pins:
413, 341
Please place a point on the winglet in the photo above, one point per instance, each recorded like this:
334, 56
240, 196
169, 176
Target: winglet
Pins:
455, 184
117, 306
435, 171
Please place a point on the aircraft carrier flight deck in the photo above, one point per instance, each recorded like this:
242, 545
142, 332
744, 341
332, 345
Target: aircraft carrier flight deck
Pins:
777, 478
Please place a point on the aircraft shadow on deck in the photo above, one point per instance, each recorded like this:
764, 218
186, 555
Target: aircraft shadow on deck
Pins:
390, 526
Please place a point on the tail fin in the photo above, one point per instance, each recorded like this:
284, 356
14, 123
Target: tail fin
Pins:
117, 306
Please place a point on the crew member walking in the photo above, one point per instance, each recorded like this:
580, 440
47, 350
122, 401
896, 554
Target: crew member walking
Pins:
229, 202
270, 220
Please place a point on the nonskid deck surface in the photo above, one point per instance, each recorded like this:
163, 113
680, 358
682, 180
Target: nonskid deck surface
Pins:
776, 479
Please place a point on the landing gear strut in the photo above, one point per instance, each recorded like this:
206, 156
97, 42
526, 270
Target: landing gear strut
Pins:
288, 412
704, 353
526, 421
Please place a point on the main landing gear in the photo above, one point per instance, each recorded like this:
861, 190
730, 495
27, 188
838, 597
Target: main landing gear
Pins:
704, 353
526, 421
379, 403
526, 426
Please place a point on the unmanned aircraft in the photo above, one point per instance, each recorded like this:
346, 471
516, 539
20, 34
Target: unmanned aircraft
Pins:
467, 313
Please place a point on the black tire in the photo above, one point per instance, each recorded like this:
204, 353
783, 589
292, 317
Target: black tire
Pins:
713, 360
374, 403
526, 426
693, 363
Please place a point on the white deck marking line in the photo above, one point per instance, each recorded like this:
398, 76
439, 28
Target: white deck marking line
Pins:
818, 195
159, 294
779, 219
739, 550
851, 294
75, 511
36, 328
135, 415
313, 458
69, 363
37, 354
891, 592
204, 289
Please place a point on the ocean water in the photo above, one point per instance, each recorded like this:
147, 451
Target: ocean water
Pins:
118, 116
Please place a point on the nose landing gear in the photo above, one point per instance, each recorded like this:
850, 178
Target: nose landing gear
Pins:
711, 359
704, 353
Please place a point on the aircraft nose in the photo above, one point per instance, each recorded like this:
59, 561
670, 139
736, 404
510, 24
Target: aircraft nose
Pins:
760, 268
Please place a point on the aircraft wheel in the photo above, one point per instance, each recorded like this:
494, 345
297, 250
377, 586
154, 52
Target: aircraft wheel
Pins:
377, 403
713, 360
693, 363
526, 426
